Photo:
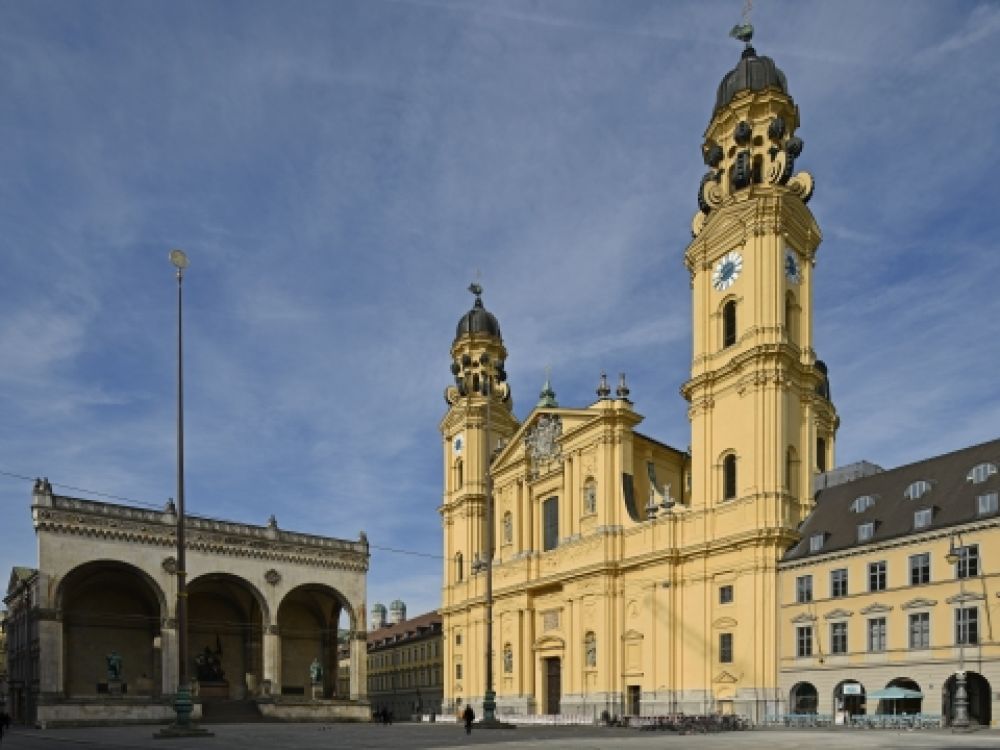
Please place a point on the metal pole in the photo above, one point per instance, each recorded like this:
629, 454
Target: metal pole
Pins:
182, 704
489, 698
961, 720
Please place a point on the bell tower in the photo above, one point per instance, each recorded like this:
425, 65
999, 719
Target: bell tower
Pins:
479, 420
762, 422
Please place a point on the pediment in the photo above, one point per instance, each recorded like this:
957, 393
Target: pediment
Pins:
572, 421
724, 622
804, 617
632, 635
724, 677
965, 596
876, 608
549, 643
918, 603
838, 614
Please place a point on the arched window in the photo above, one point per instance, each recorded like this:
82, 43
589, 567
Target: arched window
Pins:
508, 528
590, 649
729, 477
791, 318
458, 568
589, 496
458, 474
729, 323
791, 471
508, 658
981, 472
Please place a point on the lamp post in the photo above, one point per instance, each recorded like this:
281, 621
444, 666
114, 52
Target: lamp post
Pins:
960, 706
182, 726
485, 563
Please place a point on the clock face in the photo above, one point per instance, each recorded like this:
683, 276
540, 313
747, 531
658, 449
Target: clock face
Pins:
792, 269
727, 270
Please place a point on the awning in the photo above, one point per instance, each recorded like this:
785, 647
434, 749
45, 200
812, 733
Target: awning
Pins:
894, 694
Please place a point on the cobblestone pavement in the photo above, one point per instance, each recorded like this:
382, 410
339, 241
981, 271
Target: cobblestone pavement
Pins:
435, 736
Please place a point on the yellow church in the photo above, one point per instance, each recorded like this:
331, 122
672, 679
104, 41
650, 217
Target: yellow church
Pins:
627, 575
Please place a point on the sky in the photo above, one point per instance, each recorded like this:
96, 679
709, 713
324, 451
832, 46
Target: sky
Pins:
338, 172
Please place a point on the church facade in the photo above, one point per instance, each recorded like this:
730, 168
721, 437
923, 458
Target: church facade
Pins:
629, 576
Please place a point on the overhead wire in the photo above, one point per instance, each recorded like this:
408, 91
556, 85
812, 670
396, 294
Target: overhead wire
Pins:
159, 506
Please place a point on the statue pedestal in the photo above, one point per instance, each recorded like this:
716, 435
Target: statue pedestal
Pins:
317, 691
215, 690
115, 688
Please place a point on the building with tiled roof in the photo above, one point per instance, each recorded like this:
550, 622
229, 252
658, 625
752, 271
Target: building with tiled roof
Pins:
892, 585
405, 667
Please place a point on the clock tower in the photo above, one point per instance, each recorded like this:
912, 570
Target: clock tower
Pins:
762, 423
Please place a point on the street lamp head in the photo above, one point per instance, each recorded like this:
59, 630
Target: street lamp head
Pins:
179, 259
952, 557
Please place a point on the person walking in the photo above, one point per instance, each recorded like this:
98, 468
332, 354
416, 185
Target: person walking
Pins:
470, 716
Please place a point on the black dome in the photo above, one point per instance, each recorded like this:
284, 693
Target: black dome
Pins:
478, 320
753, 73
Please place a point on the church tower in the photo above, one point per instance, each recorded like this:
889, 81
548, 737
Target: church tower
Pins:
478, 422
762, 423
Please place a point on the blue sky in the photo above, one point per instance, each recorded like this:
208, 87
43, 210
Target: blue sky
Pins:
337, 172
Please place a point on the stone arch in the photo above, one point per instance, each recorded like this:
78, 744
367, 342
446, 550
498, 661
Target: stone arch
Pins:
978, 695
849, 699
227, 617
803, 698
106, 606
307, 619
905, 705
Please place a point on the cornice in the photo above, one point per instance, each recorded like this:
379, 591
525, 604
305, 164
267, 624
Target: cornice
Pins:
103, 521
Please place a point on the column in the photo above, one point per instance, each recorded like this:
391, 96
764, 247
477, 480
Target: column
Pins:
272, 658
168, 657
50, 654
359, 666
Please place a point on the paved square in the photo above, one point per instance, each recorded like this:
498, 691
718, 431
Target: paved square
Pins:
433, 736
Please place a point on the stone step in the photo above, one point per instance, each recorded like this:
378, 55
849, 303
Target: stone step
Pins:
230, 712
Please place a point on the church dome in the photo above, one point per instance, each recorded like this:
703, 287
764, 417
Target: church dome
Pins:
478, 319
752, 73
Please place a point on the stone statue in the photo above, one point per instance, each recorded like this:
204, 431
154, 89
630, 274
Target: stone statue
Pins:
114, 660
316, 671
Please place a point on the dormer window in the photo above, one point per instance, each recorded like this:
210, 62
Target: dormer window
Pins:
866, 531
922, 518
981, 472
917, 489
816, 542
862, 503
986, 505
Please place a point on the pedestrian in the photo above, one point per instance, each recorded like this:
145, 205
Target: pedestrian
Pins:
470, 716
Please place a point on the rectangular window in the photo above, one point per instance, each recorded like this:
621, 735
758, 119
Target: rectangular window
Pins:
838, 582
967, 626
804, 589
458, 671
920, 630
838, 638
866, 531
876, 634
922, 518
725, 594
816, 542
968, 561
987, 504
804, 640
458, 639
920, 568
726, 648
550, 524
876, 576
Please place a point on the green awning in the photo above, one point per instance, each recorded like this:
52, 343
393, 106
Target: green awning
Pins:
894, 694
